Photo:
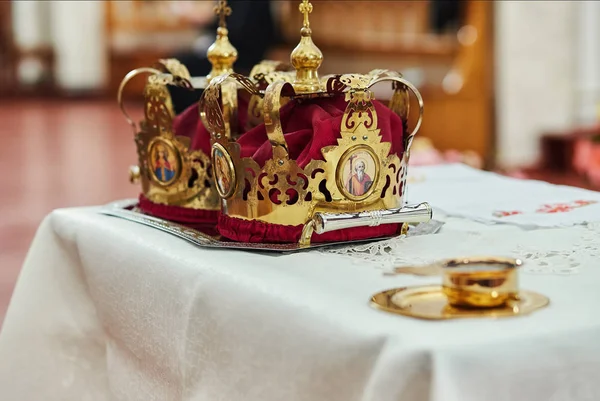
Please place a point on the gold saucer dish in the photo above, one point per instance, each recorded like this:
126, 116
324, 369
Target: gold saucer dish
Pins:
481, 286
430, 302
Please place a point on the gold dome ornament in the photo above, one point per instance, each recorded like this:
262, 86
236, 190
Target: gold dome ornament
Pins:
306, 58
221, 54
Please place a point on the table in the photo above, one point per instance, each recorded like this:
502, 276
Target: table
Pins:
109, 310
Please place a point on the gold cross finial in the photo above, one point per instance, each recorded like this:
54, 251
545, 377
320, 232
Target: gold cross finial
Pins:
221, 54
222, 10
306, 57
306, 8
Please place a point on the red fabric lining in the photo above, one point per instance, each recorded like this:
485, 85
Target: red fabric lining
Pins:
310, 126
258, 231
193, 218
189, 124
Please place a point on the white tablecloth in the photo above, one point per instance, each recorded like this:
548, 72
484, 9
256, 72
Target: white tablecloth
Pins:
462, 191
106, 309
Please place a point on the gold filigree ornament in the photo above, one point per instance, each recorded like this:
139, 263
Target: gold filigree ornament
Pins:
170, 173
321, 194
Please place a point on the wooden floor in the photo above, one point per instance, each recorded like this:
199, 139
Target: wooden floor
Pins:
56, 154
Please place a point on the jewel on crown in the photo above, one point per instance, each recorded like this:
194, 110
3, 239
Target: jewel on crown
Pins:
329, 162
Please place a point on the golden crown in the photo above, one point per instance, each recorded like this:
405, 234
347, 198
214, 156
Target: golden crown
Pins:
170, 172
319, 196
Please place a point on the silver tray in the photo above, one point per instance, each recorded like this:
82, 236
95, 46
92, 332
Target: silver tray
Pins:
128, 210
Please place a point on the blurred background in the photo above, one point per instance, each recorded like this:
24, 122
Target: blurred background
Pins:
510, 86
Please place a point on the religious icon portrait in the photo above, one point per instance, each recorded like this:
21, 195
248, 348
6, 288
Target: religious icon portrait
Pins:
163, 162
358, 173
224, 171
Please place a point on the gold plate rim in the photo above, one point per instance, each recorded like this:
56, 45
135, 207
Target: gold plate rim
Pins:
530, 302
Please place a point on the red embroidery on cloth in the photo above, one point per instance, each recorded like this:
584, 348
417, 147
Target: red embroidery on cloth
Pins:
564, 207
549, 208
502, 213
556, 208
584, 202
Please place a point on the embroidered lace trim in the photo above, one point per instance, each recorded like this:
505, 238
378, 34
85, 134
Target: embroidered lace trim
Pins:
545, 251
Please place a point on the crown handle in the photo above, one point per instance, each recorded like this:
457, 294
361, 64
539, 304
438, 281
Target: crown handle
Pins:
211, 112
132, 74
400, 103
173, 67
272, 117
218, 104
